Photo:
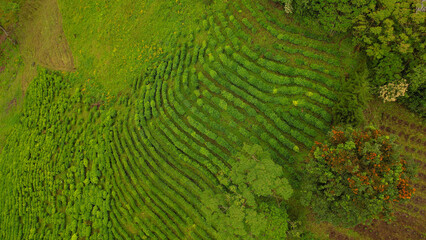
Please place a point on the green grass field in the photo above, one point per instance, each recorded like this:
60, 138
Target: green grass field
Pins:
122, 113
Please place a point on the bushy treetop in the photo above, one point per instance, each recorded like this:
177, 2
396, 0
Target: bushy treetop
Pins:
250, 205
357, 175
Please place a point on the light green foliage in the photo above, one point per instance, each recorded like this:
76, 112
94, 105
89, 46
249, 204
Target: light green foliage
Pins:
391, 33
240, 212
74, 236
390, 26
44, 133
258, 172
127, 35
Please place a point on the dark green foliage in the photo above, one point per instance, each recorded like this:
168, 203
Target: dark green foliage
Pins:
355, 176
352, 99
337, 16
390, 32
415, 98
417, 78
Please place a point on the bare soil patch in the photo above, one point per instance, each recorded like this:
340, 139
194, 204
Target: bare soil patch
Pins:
11, 104
42, 37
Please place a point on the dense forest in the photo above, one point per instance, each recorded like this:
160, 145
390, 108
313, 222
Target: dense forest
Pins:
208, 119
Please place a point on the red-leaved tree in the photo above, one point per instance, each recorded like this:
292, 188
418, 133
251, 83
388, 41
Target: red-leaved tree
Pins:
356, 176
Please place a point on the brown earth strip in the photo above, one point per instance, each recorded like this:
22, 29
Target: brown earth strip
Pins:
43, 38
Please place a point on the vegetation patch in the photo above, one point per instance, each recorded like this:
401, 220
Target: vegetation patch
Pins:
193, 120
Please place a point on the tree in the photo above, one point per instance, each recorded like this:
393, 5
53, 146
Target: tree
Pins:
74, 236
391, 91
415, 99
356, 176
334, 16
245, 209
391, 33
255, 170
417, 77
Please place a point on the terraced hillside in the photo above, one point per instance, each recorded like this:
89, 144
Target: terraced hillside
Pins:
135, 167
218, 89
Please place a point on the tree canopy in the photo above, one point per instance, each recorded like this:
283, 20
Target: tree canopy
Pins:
241, 210
390, 33
356, 176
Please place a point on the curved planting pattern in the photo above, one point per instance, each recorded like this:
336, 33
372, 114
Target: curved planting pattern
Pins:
137, 171
197, 107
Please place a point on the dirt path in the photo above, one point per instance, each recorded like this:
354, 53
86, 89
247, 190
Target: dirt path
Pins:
42, 40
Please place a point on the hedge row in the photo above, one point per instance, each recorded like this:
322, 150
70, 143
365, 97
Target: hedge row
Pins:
243, 95
178, 181
131, 194
189, 145
220, 163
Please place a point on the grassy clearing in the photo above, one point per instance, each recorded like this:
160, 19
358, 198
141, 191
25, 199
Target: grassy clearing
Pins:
113, 42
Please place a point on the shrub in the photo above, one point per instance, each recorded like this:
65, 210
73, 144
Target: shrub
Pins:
353, 98
357, 175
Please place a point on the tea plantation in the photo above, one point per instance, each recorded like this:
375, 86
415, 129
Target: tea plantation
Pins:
130, 151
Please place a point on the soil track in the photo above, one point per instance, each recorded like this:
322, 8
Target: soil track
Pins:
42, 37
2, 39
42, 40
